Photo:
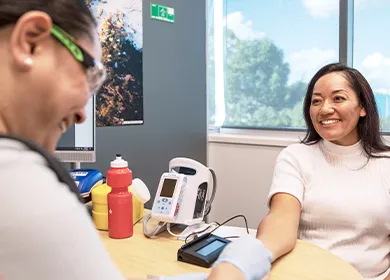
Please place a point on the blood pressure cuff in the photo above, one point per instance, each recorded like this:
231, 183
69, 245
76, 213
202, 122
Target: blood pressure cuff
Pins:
54, 164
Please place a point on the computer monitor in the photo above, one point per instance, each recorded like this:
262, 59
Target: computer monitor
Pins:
78, 143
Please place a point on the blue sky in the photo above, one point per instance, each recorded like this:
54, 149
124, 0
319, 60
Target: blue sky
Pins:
372, 43
308, 32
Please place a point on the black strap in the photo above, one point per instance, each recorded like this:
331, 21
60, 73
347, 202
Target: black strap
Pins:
55, 165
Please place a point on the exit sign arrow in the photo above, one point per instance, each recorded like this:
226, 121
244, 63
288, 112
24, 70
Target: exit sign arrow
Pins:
162, 13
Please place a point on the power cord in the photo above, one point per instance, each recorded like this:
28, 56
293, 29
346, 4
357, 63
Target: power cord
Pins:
231, 237
171, 233
196, 234
159, 228
232, 218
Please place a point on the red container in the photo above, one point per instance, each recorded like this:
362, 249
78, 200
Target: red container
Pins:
120, 201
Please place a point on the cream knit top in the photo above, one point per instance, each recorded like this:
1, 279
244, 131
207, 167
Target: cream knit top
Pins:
345, 200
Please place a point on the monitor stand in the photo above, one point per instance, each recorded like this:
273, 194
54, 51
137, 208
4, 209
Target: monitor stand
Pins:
75, 165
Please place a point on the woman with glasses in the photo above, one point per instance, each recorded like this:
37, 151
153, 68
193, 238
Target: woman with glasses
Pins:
49, 67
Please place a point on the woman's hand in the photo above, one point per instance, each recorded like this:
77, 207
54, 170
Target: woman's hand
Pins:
248, 256
188, 276
243, 259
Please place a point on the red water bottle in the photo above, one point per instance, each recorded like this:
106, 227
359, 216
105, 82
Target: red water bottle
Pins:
120, 200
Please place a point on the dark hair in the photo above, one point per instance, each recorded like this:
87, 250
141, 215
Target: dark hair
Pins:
368, 126
71, 15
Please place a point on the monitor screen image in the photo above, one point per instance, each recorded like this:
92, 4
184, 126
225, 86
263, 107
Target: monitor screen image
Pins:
168, 187
206, 250
77, 144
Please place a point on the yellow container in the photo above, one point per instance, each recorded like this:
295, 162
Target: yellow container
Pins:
100, 208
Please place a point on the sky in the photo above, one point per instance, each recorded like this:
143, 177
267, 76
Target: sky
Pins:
308, 33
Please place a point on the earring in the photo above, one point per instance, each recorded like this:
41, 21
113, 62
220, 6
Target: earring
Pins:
28, 61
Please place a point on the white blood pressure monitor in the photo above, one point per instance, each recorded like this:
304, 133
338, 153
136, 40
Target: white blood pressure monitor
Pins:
169, 197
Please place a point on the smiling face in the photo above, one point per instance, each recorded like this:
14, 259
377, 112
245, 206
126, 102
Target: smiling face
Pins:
70, 91
44, 88
335, 110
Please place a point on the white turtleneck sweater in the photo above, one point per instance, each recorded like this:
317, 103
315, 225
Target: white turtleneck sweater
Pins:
345, 202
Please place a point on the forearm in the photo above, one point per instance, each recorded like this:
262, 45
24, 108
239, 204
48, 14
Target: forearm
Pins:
226, 271
278, 234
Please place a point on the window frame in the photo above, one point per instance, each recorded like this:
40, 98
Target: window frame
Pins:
346, 31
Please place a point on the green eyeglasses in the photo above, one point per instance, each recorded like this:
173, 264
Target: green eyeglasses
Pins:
96, 73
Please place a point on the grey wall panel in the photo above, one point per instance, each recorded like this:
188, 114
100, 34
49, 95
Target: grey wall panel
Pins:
175, 111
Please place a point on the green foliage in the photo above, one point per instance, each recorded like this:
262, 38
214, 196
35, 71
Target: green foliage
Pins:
295, 93
257, 93
297, 119
256, 70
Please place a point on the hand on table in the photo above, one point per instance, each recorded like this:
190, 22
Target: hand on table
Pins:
189, 276
195, 276
246, 254
249, 255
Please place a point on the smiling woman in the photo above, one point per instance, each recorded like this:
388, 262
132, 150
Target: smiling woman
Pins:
50, 65
333, 188
34, 37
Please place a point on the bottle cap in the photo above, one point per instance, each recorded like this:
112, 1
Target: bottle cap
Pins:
140, 190
119, 162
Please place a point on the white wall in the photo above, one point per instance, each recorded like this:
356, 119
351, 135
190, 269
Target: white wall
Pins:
244, 163
244, 168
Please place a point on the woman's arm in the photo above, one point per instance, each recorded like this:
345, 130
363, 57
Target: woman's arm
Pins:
278, 230
278, 233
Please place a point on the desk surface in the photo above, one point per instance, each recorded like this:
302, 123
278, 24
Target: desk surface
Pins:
139, 256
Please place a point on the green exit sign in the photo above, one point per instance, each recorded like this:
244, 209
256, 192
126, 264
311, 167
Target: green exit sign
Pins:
162, 13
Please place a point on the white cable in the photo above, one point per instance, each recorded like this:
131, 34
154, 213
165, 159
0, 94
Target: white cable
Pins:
171, 233
159, 228
199, 233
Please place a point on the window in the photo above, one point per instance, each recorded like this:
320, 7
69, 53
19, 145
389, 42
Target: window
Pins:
261, 56
371, 51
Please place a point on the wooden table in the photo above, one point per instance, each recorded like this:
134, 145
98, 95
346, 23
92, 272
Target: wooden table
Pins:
139, 256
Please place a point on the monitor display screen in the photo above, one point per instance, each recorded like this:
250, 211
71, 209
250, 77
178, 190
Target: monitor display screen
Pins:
80, 137
206, 250
168, 187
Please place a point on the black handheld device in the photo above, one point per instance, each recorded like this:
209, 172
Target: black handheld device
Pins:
202, 251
